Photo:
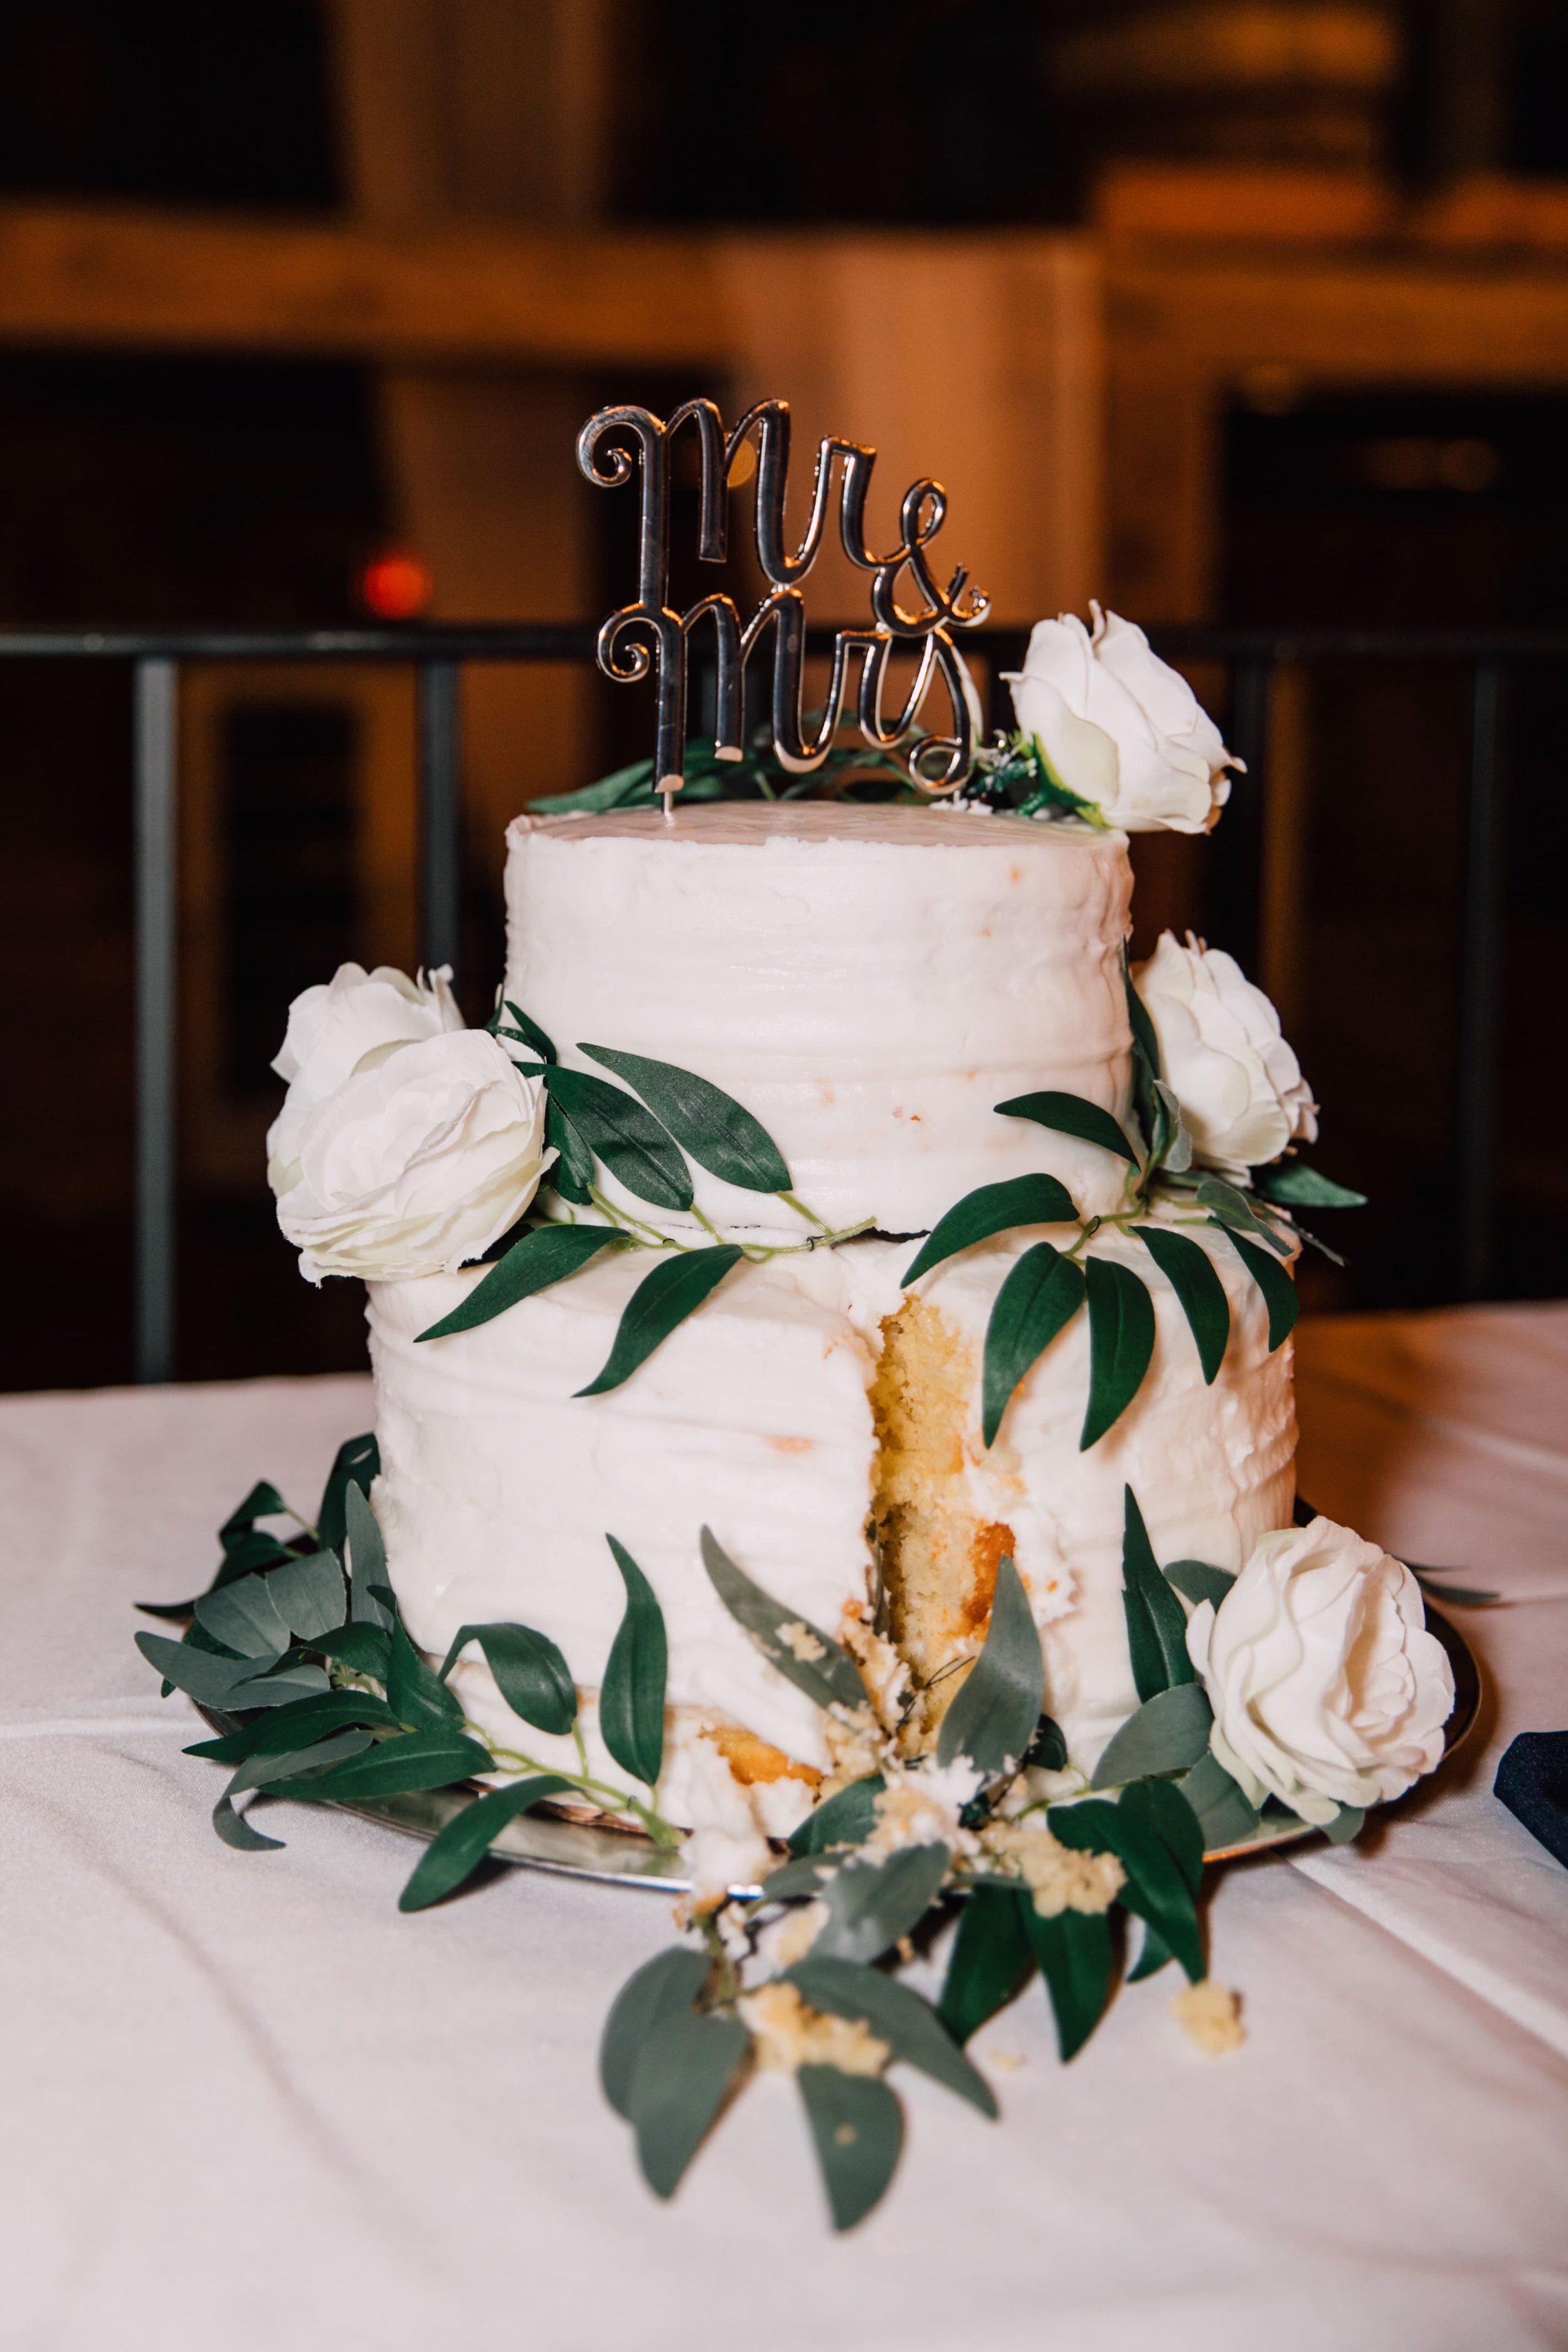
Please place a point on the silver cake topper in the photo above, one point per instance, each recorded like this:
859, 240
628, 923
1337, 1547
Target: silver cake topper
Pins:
649, 632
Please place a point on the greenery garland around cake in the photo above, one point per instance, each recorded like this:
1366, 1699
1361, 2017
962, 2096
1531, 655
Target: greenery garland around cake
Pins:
648, 1135
296, 1650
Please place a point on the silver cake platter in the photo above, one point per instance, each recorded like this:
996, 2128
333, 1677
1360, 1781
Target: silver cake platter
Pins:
575, 1849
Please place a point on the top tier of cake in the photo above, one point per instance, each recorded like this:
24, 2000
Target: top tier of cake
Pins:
868, 981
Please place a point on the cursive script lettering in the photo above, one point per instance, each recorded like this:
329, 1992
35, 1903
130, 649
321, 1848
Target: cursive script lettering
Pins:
648, 634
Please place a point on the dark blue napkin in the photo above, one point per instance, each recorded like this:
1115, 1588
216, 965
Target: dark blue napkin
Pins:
1532, 1781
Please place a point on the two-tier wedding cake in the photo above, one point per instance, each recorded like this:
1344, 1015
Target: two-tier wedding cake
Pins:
962, 1233
831, 1335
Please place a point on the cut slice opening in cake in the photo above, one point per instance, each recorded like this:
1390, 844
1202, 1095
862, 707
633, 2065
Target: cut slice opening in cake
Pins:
938, 1555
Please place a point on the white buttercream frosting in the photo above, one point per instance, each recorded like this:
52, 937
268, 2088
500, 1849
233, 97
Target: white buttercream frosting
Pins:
499, 1485
869, 982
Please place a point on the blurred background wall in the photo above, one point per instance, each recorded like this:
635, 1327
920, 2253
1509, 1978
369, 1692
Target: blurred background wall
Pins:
1243, 311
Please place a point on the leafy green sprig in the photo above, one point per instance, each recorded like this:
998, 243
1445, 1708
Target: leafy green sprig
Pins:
1050, 1283
299, 1650
852, 771
646, 1133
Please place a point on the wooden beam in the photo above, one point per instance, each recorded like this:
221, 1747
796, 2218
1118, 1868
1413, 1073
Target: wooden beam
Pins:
561, 297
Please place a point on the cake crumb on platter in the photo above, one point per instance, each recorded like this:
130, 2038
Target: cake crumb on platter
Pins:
1210, 2014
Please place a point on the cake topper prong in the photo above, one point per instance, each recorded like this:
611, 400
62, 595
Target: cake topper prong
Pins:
650, 634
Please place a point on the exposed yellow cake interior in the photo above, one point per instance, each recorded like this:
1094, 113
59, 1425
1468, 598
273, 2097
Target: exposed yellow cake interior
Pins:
939, 1559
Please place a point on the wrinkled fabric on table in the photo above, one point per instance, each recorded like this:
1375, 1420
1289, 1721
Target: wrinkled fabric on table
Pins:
247, 2103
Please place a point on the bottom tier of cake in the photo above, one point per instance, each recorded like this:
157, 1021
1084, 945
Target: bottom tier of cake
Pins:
827, 1426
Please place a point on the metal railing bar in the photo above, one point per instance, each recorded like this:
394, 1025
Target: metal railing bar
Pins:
1478, 984
156, 684
440, 815
542, 641
570, 641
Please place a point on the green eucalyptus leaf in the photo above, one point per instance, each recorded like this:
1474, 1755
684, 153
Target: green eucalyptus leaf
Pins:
627, 1138
995, 1714
531, 1672
548, 1254
684, 2072
1144, 1036
1120, 1345
207, 1679
531, 1033
871, 1904
1156, 1622
1347, 1824
245, 1548
1167, 1734
573, 1173
456, 1851
236, 1832
992, 1958
363, 1649
416, 1692
1231, 1208
1073, 1951
847, 1818
285, 1729
1196, 1581
1226, 1816
1042, 1293
1174, 1148
1453, 1596
244, 1617
1156, 1887
266, 1771
367, 1560
1297, 1186
662, 1301
1047, 1751
858, 2127
1153, 1954
1071, 1115
631, 1696
1160, 1804
827, 1674
357, 1463
310, 1593
1279, 1294
717, 1131
622, 788
419, 1759
1189, 1271
992, 1209
662, 1987
263, 1502
908, 2025
803, 1874
278, 1688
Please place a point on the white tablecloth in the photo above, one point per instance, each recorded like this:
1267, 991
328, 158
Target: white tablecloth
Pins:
243, 2104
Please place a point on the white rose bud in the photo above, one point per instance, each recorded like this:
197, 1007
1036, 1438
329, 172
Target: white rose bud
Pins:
1326, 1686
1121, 729
416, 1164
333, 1030
1239, 1085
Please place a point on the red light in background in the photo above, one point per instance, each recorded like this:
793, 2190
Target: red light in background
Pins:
395, 585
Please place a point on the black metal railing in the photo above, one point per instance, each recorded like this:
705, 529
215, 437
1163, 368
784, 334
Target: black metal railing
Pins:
438, 656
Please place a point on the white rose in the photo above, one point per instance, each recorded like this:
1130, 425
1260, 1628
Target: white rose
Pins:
1121, 729
334, 1027
1326, 1686
416, 1164
1240, 1087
